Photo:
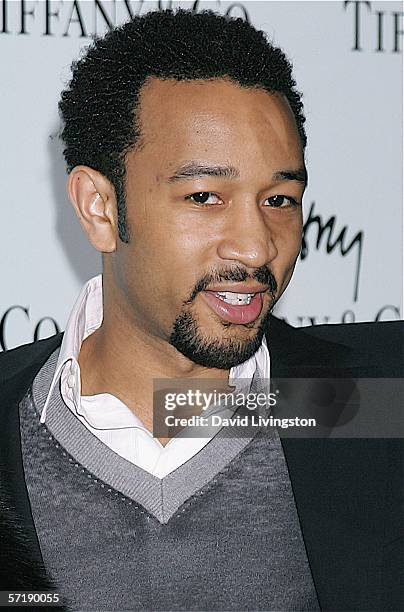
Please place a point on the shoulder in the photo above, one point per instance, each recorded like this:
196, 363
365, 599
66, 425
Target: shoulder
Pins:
376, 348
27, 357
18, 369
379, 344
383, 333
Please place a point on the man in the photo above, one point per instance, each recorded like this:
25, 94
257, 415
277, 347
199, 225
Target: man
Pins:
184, 140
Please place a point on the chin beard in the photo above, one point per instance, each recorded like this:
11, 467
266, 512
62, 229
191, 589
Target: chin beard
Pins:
223, 354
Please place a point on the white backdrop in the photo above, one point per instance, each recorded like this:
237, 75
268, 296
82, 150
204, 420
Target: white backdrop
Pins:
348, 63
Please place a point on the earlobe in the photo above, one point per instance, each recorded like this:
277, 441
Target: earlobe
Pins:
93, 199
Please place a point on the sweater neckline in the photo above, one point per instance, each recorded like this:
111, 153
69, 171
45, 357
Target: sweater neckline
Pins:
161, 498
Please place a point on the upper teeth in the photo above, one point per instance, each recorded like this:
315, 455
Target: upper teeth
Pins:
236, 299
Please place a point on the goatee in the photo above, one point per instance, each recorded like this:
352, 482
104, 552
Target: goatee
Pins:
225, 352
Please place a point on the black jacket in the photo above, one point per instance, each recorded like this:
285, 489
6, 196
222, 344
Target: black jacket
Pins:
348, 492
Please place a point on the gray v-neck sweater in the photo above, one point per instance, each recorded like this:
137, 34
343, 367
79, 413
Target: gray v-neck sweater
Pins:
219, 533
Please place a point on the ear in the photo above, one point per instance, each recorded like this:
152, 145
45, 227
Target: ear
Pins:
93, 198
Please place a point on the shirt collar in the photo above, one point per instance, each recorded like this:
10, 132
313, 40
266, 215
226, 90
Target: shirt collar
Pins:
86, 316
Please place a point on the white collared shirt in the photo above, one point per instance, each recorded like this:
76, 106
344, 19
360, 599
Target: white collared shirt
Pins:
109, 419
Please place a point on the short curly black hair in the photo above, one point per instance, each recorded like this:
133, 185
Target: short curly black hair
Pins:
98, 108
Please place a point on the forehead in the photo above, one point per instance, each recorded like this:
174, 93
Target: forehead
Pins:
217, 120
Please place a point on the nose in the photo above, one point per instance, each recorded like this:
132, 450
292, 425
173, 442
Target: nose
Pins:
247, 237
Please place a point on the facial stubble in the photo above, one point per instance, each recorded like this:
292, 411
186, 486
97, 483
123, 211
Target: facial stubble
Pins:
226, 351
222, 353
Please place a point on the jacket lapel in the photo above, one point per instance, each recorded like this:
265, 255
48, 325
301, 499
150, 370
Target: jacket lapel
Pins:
331, 477
21, 564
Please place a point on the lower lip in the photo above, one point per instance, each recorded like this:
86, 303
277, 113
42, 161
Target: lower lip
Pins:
234, 314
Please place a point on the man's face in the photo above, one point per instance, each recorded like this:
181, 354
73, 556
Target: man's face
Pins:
213, 207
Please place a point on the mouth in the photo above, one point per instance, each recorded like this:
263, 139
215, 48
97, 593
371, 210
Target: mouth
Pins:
235, 307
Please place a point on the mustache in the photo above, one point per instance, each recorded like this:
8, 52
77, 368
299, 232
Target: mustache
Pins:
262, 275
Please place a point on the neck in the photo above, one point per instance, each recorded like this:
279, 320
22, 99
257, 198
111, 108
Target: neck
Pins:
122, 359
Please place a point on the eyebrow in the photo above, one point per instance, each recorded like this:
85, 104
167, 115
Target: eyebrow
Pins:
194, 170
299, 175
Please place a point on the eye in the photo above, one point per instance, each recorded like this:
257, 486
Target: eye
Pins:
281, 201
204, 198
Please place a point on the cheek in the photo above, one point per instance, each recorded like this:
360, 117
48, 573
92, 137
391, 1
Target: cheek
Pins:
286, 228
165, 264
288, 243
